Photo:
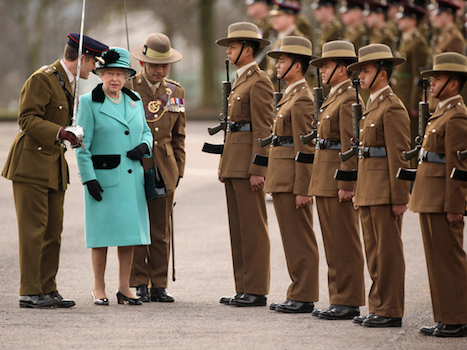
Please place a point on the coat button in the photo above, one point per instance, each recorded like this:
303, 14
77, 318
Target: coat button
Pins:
39, 148
156, 129
321, 110
361, 130
319, 123
361, 143
433, 131
130, 171
363, 118
372, 125
327, 117
60, 107
127, 132
238, 98
156, 143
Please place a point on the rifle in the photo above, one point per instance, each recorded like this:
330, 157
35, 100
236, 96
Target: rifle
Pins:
345, 175
226, 88
423, 116
318, 96
259, 159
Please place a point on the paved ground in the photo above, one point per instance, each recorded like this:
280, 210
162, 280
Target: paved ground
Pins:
204, 273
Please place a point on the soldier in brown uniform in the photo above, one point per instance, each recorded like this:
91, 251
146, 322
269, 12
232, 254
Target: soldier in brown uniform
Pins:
249, 117
355, 30
330, 26
406, 78
337, 217
381, 197
288, 179
284, 18
450, 38
259, 11
36, 164
376, 20
441, 201
163, 101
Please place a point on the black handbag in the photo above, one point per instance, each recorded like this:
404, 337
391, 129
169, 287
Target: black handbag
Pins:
154, 184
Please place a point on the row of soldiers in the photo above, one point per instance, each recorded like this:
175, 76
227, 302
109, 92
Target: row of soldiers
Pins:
349, 139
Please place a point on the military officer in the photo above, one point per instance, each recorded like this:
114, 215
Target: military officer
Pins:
376, 20
337, 217
356, 31
330, 26
288, 179
441, 201
249, 117
303, 23
36, 164
164, 105
450, 38
381, 197
284, 17
259, 11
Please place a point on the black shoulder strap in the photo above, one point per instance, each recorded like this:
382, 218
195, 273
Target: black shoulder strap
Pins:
67, 94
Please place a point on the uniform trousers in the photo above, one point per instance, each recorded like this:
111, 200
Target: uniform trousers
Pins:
447, 267
249, 236
344, 256
151, 263
385, 259
301, 251
39, 210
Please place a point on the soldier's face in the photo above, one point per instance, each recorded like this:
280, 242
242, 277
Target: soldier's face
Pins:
437, 83
88, 64
155, 73
366, 76
326, 71
233, 50
283, 22
283, 64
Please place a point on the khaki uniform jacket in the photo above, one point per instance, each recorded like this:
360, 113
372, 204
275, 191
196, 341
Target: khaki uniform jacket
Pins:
267, 32
385, 123
250, 101
35, 155
406, 77
382, 36
450, 41
168, 130
434, 191
329, 31
334, 123
358, 36
293, 118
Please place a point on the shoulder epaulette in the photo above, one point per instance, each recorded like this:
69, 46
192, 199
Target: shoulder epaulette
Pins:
173, 82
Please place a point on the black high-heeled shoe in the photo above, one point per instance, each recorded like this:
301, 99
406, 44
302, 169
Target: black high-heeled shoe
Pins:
103, 301
122, 298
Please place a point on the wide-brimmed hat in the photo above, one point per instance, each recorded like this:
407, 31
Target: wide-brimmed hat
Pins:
448, 62
293, 45
116, 57
375, 53
157, 50
243, 31
336, 50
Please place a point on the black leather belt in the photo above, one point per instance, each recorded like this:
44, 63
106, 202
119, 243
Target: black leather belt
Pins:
369, 152
282, 141
433, 157
238, 126
328, 144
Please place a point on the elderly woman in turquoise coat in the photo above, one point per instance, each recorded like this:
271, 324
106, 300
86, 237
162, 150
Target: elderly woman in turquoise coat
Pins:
116, 138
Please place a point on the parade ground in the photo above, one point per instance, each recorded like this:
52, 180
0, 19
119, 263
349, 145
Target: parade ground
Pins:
203, 274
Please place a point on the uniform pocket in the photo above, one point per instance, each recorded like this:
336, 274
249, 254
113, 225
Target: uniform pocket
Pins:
374, 134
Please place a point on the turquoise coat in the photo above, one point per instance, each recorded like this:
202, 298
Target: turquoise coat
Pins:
121, 217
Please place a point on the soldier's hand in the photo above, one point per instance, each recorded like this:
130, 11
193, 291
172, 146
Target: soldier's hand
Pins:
398, 209
454, 218
256, 182
69, 136
301, 201
138, 152
94, 188
344, 195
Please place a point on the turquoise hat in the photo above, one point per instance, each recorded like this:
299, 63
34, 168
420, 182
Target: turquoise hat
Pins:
116, 57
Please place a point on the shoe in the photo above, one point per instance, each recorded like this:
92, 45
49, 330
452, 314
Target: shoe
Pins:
229, 300
295, 307
63, 303
339, 312
143, 293
382, 322
273, 306
121, 299
37, 301
359, 319
316, 312
103, 301
161, 295
246, 300
448, 330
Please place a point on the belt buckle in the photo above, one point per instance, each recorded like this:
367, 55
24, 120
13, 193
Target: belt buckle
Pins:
227, 128
360, 152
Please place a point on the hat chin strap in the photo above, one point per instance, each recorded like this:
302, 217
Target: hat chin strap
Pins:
377, 72
241, 51
444, 86
334, 71
288, 70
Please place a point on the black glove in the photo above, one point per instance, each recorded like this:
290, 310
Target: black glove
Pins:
94, 189
138, 152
